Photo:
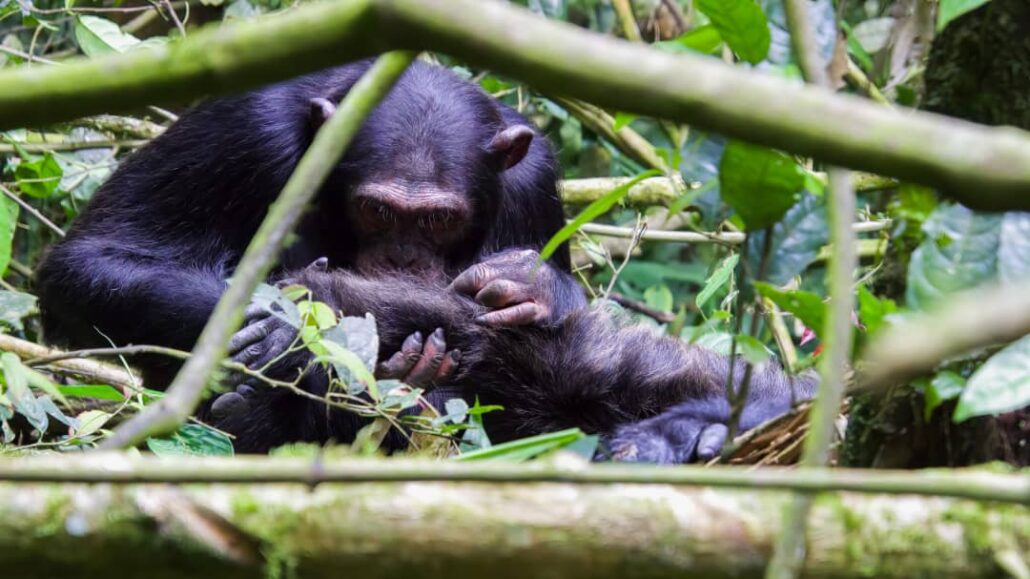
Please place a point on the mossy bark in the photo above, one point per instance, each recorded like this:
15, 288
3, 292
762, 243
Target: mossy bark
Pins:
455, 530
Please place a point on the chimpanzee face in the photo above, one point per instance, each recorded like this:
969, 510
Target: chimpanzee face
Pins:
422, 176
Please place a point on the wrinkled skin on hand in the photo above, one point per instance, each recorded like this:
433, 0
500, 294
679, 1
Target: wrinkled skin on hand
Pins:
519, 289
264, 337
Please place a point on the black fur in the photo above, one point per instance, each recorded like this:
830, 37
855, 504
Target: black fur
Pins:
586, 372
148, 258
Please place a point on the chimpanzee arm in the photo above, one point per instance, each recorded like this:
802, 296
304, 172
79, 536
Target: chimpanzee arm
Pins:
131, 296
587, 373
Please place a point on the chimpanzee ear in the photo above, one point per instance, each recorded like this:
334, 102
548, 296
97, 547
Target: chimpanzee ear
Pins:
511, 145
319, 111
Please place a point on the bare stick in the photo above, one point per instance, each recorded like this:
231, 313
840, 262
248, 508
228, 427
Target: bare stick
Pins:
31, 211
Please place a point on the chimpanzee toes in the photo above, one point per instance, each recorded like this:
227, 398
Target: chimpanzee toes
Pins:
447, 367
229, 404
398, 365
640, 445
433, 353
711, 440
319, 265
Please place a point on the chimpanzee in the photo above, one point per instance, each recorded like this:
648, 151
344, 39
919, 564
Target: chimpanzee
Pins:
653, 398
440, 178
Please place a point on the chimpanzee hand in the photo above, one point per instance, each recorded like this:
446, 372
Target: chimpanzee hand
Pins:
518, 288
421, 363
693, 430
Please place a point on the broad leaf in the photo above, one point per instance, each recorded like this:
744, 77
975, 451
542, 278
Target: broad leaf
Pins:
526, 448
949, 10
98, 36
1000, 385
1014, 247
760, 184
718, 279
742, 24
192, 440
14, 306
806, 306
39, 177
960, 251
796, 241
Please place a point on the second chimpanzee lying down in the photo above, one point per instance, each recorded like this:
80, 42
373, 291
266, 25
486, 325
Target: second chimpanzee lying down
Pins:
652, 398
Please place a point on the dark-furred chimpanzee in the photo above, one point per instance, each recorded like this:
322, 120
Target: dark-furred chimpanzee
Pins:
441, 177
653, 398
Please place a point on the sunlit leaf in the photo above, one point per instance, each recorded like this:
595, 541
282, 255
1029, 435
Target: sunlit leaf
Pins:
98, 36
718, 279
760, 184
39, 177
806, 306
1000, 385
525, 448
949, 10
742, 24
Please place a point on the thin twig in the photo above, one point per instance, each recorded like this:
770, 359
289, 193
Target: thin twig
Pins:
642, 308
31, 211
725, 237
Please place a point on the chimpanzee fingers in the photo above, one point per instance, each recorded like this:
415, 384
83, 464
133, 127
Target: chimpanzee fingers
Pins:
253, 313
636, 443
711, 440
503, 292
398, 365
517, 315
447, 367
475, 278
248, 335
229, 404
433, 352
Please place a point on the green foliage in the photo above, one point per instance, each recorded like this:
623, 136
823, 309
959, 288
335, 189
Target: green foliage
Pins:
742, 24
192, 440
949, 10
808, 307
535, 446
1000, 385
718, 279
760, 184
964, 249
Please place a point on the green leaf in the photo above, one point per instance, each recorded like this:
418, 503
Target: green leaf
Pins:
760, 184
317, 314
192, 440
960, 252
806, 306
752, 350
39, 177
946, 385
659, 297
949, 10
91, 421
94, 391
15, 306
704, 39
1000, 385
742, 24
358, 335
796, 241
719, 277
349, 367
8, 224
1014, 247
591, 212
872, 310
98, 36
622, 120
525, 448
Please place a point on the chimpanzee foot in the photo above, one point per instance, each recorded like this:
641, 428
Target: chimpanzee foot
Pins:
670, 438
421, 363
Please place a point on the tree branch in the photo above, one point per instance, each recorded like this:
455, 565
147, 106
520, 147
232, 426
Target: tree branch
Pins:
986, 168
187, 389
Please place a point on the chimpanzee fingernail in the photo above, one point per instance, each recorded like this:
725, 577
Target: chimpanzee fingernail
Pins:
412, 342
455, 355
438, 334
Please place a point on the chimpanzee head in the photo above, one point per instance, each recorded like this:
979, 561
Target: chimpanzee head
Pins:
422, 179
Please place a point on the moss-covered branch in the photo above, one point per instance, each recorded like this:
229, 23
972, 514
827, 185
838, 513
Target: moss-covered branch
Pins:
187, 390
982, 167
463, 529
